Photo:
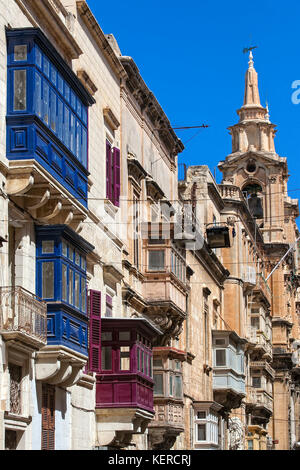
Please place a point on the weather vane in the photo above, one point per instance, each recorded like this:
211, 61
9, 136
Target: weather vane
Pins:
248, 49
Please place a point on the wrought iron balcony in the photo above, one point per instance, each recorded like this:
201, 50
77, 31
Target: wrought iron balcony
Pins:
23, 317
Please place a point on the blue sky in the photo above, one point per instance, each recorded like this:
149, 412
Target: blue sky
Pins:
190, 55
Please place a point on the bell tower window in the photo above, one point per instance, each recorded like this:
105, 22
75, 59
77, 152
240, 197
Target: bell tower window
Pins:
253, 195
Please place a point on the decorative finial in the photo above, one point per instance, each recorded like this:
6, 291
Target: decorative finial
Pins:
251, 62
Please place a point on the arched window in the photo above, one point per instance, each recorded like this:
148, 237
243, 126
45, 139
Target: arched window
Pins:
253, 195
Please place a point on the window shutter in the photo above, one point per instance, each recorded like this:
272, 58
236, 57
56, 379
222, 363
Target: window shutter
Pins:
108, 171
48, 417
117, 177
95, 330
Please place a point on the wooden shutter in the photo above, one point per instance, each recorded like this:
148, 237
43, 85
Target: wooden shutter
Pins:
108, 172
95, 331
48, 417
117, 177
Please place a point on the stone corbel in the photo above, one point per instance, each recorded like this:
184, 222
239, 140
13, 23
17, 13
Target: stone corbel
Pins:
57, 366
116, 426
19, 184
37, 197
49, 211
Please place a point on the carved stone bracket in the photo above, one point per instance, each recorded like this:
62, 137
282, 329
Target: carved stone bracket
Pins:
168, 318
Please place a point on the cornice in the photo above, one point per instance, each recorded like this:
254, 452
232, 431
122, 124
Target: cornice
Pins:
100, 38
151, 107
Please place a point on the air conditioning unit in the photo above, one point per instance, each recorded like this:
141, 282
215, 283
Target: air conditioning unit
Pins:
249, 275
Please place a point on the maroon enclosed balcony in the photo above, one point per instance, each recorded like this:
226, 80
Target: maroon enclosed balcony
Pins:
126, 378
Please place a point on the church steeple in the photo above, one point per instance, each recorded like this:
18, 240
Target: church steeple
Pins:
252, 108
254, 131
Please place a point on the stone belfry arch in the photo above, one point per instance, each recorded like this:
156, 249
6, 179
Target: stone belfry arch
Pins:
254, 161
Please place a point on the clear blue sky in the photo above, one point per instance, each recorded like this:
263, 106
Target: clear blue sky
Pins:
190, 55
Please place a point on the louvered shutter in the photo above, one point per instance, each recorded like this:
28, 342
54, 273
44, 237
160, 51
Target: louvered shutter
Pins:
108, 172
95, 330
48, 417
117, 177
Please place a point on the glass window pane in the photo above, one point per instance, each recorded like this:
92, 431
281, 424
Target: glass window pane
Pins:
143, 361
138, 359
60, 84
46, 67
38, 57
53, 110
156, 260
106, 358
20, 53
201, 415
124, 358
250, 445
67, 92
20, 81
201, 432
65, 249
83, 294
77, 258
71, 287
106, 336
256, 382
38, 94
48, 280
178, 386
64, 282
47, 246
171, 385
77, 290
60, 118
66, 136
158, 384
45, 102
221, 357
124, 336
157, 362
72, 133
53, 75
71, 253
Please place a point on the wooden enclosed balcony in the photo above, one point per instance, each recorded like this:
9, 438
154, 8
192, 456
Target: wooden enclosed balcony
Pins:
23, 317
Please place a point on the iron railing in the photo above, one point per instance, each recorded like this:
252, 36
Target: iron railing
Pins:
21, 311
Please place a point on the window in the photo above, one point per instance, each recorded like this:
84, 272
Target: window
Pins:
106, 358
178, 265
207, 426
220, 357
15, 375
113, 174
250, 444
125, 358
62, 272
256, 382
136, 230
255, 322
156, 260
20, 91
48, 280
109, 306
158, 384
48, 417
201, 432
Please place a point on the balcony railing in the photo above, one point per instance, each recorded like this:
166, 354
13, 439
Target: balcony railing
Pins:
229, 191
21, 313
265, 365
262, 284
260, 340
168, 415
260, 398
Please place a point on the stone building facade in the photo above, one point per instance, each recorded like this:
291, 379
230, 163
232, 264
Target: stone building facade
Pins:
134, 309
